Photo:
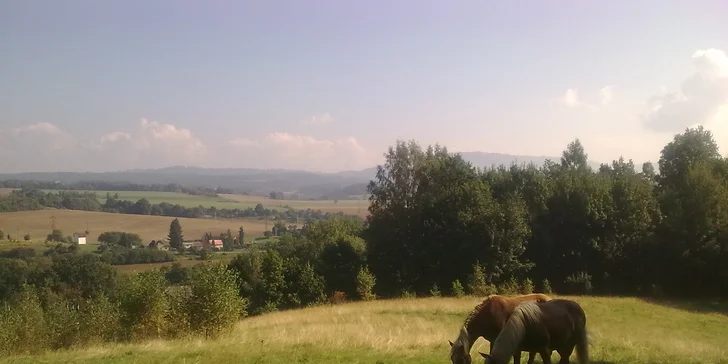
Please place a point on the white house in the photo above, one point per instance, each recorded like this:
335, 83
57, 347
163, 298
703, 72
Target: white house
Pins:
79, 238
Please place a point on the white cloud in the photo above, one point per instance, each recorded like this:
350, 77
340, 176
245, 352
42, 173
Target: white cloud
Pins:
294, 151
606, 94
114, 137
570, 98
699, 99
319, 119
45, 146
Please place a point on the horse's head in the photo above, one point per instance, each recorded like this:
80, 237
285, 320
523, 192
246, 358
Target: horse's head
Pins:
460, 349
459, 354
491, 360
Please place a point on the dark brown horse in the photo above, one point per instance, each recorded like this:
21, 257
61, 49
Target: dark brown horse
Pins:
487, 320
543, 327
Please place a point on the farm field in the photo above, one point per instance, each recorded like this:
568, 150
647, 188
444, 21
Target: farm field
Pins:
37, 224
349, 207
622, 330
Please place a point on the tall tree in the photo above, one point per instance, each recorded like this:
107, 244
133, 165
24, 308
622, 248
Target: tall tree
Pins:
175, 234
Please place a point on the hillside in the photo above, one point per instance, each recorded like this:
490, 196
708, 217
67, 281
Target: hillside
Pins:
309, 185
622, 330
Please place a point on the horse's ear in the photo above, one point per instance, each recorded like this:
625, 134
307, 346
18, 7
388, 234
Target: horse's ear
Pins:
451, 344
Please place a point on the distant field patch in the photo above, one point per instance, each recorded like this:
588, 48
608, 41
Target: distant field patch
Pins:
37, 224
5, 191
349, 207
174, 198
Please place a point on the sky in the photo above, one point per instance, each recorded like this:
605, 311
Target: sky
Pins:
329, 85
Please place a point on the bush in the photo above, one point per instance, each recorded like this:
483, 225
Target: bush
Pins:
26, 237
213, 304
407, 294
365, 282
457, 289
304, 286
510, 287
23, 330
337, 298
527, 286
2, 234
546, 287
435, 291
143, 305
477, 285
118, 238
579, 283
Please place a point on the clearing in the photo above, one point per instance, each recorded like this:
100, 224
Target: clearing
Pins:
349, 207
622, 330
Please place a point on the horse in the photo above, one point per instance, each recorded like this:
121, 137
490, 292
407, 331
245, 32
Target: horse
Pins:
487, 320
543, 327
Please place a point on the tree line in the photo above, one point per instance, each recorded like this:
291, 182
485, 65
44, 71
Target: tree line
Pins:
28, 199
433, 217
114, 186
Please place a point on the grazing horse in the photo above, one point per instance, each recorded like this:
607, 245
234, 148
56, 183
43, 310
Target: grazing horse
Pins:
543, 327
487, 320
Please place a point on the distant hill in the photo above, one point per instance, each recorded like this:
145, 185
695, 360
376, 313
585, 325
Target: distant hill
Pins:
308, 185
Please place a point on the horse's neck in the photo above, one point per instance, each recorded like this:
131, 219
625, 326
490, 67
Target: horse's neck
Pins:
509, 338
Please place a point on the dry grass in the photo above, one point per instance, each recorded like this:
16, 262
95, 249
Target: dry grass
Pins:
349, 207
37, 224
622, 330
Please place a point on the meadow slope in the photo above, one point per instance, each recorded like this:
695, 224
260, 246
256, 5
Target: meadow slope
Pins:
37, 224
622, 330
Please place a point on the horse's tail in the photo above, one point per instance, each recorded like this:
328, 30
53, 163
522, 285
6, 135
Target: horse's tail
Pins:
582, 346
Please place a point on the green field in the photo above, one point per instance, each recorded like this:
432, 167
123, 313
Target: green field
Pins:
349, 207
622, 330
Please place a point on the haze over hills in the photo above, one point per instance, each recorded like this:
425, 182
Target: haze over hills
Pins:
307, 184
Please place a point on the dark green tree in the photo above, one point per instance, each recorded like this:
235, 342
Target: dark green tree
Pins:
175, 235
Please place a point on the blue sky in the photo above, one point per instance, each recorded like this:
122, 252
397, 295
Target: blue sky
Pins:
329, 85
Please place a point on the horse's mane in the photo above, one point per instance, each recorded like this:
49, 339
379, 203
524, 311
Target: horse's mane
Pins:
515, 329
477, 310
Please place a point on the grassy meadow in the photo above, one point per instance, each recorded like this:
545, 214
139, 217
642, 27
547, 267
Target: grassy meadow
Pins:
622, 330
37, 224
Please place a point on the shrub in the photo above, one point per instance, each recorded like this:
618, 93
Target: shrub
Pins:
457, 289
435, 291
337, 298
2, 234
304, 286
26, 237
365, 282
510, 287
477, 285
527, 286
579, 283
546, 287
407, 294
100, 320
143, 305
24, 328
213, 305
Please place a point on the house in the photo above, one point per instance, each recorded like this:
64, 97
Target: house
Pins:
192, 244
158, 244
79, 238
215, 244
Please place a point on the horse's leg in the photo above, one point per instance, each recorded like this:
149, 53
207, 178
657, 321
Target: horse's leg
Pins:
545, 355
517, 357
565, 354
531, 357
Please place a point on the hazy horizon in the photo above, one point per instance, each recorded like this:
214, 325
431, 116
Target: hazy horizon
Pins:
328, 86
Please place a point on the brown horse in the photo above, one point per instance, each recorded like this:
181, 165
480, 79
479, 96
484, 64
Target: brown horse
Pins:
543, 327
487, 320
